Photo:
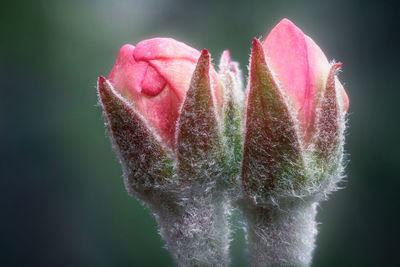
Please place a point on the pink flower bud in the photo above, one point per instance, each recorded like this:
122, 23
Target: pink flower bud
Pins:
163, 108
301, 70
155, 76
272, 152
295, 116
293, 144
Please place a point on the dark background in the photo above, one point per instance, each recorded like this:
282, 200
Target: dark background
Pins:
62, 200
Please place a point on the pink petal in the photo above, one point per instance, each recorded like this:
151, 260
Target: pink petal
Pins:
164, 48
124, 57
301, 69
162, 112
319, 68
318, 65
176, 72
286, 52
120, 75
152, 83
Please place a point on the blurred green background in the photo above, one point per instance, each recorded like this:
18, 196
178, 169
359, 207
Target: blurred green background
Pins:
63, 202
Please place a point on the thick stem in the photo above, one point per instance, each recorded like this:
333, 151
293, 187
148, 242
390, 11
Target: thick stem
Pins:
195, 226
281, 236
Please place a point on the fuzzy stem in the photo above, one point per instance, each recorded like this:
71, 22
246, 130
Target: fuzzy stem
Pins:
195, 227
281, 236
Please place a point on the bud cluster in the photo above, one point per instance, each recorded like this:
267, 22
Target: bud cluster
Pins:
194, 145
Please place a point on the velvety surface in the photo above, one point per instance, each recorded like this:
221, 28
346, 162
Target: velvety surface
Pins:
62, 195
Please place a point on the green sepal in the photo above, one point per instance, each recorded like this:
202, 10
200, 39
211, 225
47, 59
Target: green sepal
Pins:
144, 159
272, 156
198, 141
326, 140
231, 81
